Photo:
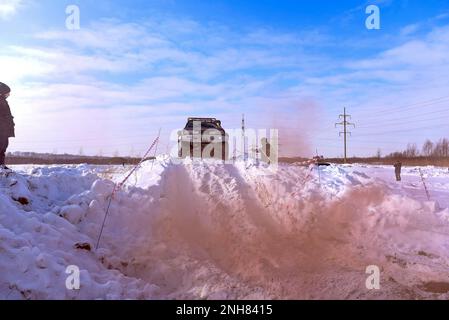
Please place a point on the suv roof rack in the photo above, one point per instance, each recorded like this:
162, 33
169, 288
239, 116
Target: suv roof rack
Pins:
202, 119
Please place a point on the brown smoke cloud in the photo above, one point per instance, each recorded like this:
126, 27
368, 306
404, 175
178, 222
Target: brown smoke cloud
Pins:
291, 249
297, 122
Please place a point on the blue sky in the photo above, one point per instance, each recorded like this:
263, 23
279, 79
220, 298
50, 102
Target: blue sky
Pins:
136, 66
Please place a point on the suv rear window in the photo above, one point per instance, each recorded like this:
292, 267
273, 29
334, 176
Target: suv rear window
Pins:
204, 125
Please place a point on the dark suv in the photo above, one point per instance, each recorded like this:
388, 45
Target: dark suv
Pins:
203, 138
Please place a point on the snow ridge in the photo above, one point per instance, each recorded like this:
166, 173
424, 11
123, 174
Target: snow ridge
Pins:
207, 230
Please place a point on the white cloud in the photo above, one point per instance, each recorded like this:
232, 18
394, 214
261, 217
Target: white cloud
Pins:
127, 47
409, 29
8, 8
108, 35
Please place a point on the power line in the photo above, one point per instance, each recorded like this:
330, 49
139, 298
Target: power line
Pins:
413, 105
345, 132
388, 123
355, 139
395, 121
402, 130
244, 138
445, 109
362, 148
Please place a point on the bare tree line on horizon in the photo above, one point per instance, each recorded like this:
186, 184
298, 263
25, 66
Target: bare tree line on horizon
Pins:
430, 149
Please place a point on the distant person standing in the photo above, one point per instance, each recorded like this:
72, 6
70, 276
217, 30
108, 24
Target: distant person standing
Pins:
265, 151
6, 123
397, 170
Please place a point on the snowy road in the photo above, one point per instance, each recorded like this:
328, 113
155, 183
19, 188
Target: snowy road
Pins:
213, 231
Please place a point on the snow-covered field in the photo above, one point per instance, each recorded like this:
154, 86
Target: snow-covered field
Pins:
211, 231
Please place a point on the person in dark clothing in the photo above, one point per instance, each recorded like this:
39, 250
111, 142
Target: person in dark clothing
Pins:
6, 123
266, 151
397, 170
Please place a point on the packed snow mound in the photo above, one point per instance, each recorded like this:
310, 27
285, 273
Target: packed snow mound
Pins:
208, 230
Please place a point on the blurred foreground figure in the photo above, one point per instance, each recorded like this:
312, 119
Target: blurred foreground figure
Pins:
6, 123
397, 170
